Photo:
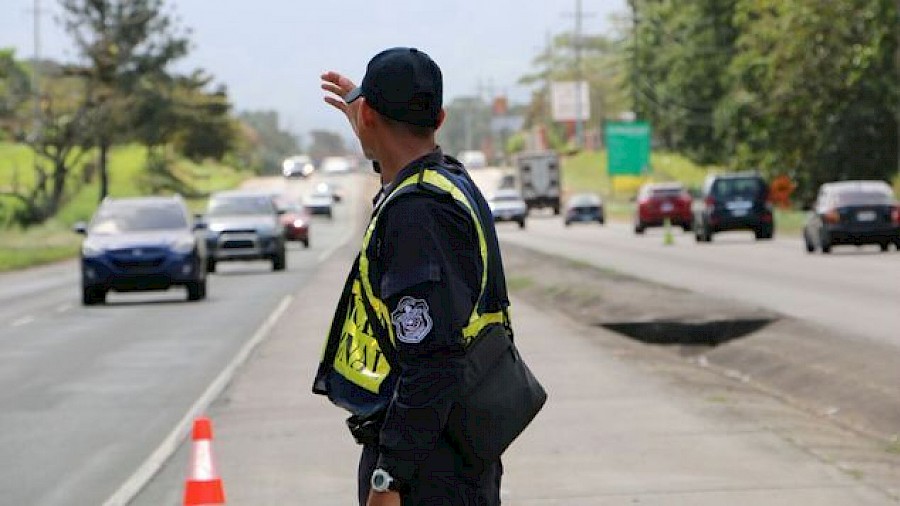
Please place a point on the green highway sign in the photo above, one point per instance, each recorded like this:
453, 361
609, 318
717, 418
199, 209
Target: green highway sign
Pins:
628, 147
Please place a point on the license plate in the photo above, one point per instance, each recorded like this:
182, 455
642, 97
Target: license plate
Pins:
667, 207
866, 216
739, 213
739, 205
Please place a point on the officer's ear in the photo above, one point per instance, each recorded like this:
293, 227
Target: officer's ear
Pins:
440, 119
367, 115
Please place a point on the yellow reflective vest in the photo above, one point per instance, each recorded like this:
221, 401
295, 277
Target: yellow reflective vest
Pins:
355, 370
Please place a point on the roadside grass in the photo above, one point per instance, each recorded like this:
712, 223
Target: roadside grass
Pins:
587, 172
54, 241
47, 243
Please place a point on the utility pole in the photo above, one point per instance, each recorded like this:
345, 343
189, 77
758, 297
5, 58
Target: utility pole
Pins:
36, 127
577, 46
579, 126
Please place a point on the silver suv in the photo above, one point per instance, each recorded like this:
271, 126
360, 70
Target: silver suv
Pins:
244, 225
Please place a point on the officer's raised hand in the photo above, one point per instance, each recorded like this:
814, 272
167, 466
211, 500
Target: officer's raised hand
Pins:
340, 86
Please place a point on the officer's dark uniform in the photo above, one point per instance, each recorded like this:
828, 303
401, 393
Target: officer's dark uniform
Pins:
428, 283
425, 254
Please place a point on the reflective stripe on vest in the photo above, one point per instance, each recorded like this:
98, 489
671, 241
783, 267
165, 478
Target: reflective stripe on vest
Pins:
359, 358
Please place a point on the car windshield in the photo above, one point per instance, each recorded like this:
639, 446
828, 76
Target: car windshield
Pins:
584, 201
240, 206
666, 192
863, 198
509, 197
738, 188
125, 218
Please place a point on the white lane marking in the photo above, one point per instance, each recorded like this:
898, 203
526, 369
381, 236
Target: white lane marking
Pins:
25, 320
139, 479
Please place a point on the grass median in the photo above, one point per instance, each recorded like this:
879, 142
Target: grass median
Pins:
54, 240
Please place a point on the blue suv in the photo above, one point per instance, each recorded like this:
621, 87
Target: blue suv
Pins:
141, 244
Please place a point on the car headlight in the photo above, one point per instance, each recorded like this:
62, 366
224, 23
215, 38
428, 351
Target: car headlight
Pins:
184, 245
216, 227
299, 223
89, 249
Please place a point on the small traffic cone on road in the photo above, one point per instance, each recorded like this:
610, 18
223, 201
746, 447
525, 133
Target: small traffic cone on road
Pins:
203, 486
668, 238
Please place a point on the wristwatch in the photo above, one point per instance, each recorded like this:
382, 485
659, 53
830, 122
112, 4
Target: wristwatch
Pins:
382, 481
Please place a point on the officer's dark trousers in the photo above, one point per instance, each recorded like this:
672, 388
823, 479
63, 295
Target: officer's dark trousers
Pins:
443, 480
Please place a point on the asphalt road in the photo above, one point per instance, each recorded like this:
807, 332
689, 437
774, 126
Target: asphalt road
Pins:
88, 393
852, 291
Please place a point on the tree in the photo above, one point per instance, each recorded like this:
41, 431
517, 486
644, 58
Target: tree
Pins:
62, 140
15, 90
813, 89
467, 122
122, 42
602, 67
273, 143
326, 143
679, 53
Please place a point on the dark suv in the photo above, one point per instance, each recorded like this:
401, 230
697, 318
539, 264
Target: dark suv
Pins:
733, 202
139, 244
244, 225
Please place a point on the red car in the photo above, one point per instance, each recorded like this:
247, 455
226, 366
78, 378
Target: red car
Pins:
658, 201
295, 219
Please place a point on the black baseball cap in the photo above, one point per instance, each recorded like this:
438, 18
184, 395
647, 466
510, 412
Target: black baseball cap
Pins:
403, 84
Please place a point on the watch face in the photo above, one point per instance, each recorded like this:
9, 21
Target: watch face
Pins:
381, 480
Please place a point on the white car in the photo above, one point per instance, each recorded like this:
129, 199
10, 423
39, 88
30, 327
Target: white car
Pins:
336, 165
473, 159
508, 205
297, 166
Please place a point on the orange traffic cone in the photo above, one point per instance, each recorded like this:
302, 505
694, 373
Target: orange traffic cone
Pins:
204, 486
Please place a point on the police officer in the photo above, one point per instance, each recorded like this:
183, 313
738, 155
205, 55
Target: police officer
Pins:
427, 283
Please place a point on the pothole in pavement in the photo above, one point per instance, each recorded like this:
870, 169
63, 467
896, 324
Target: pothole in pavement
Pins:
705, 333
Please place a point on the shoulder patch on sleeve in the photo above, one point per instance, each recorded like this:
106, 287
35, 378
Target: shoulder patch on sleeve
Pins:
411, 320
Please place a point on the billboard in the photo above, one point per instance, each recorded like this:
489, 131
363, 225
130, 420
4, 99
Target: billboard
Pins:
569, 100
628, 147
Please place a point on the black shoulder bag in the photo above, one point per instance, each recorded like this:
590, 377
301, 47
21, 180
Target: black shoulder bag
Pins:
499, 397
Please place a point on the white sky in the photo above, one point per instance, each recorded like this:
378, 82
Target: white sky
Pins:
270, 53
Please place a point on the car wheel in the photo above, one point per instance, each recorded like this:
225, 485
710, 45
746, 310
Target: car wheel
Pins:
884, 246
521, 223
825, 244
568, 223
306, 243
686, 227
703, 234
763, 235
556, 210
279, 262
210, 265
196, 290
810, 247
92, 296
601, 221
639, 229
